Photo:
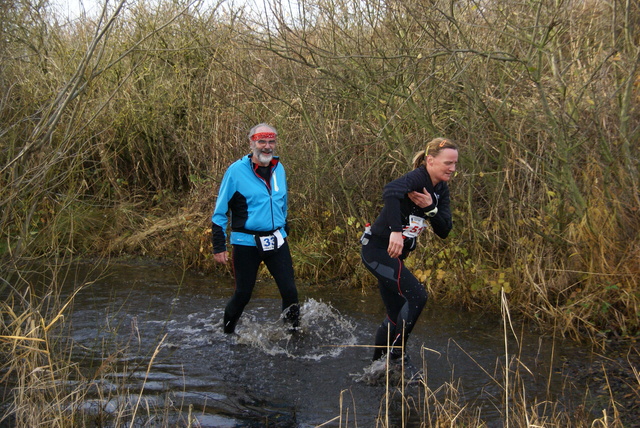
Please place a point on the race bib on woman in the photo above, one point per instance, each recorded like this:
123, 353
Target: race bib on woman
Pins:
416, 226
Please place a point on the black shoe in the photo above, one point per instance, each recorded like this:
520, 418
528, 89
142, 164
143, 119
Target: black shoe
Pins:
229, 327
410, 371
291, 317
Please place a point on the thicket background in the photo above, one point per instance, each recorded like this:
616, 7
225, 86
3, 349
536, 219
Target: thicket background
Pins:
115, 131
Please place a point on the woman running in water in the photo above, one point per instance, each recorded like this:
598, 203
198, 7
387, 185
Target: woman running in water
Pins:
418, 197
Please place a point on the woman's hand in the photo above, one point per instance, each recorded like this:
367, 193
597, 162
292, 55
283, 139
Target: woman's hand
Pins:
396, 242
422, 199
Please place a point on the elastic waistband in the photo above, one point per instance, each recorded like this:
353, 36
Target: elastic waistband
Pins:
255, 232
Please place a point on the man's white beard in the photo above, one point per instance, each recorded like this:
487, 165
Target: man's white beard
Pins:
264, 158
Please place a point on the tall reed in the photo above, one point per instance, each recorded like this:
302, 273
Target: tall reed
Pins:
413, 402
45, 382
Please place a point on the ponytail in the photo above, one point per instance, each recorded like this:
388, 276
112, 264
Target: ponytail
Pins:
419, 159
433, 148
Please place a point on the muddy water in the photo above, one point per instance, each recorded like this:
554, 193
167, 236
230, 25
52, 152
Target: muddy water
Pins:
162, 328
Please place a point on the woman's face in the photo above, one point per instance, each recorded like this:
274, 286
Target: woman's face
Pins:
442, 166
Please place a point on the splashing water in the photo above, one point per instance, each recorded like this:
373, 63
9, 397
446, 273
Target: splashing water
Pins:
379, 373
373, 374
323, 332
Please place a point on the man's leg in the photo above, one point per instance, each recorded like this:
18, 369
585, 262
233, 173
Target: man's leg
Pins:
280, 266
245, 269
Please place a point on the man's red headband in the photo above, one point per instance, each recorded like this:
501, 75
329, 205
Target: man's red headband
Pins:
263, 136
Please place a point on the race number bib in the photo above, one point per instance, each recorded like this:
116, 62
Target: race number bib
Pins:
270, 242
416, 226
267, 243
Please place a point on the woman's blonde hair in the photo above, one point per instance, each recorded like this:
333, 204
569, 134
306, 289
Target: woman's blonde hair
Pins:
433, 148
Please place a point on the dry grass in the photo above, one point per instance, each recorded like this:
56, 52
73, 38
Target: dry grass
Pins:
43, 386
445, 405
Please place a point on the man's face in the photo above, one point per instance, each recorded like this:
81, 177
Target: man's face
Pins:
263, 148
442, 166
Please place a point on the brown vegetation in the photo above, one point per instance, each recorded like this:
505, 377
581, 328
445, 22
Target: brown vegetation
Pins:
115, 131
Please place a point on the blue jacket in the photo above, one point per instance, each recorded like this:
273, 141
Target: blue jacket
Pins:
255, 205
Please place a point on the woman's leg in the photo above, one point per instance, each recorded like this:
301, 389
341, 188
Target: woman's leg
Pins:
391, 328
415, 296
403, 295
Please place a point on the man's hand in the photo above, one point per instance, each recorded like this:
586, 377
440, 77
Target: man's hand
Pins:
222, 257
396, 242
422, 199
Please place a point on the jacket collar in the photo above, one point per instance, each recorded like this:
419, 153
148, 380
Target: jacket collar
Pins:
430, 187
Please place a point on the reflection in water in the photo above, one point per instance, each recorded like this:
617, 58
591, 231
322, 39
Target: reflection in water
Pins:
162, 329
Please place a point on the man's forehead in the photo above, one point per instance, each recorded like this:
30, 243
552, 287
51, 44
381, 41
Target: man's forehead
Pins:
263, 129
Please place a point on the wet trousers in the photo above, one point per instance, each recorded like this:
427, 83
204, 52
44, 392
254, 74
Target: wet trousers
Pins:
246, 261
403, 295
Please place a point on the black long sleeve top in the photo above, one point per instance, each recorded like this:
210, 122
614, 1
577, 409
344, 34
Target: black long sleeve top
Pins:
394, 216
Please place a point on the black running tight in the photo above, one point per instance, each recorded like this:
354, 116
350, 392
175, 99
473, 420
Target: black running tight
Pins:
246, 261
403, 295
